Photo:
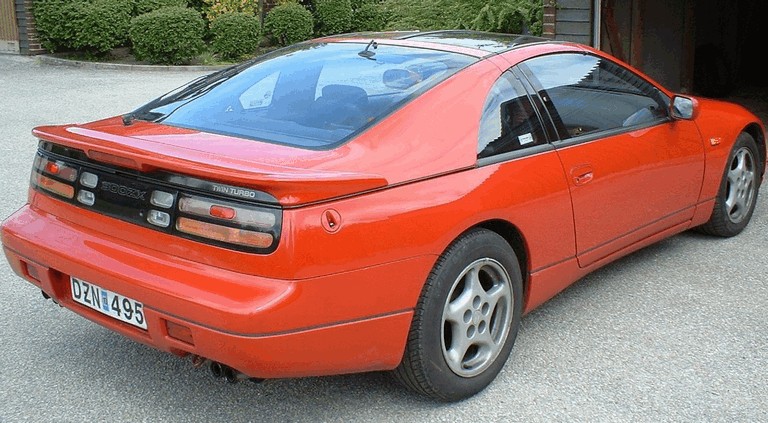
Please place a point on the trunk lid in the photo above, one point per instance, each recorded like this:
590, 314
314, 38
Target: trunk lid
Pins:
289, 174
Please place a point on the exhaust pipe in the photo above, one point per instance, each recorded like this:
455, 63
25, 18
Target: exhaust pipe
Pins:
230, 374
222, 371
217, 369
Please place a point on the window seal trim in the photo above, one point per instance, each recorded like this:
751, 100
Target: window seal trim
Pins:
517, 154
596, 136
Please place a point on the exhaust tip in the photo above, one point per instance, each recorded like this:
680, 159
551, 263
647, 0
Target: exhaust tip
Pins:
217, 369
230, 375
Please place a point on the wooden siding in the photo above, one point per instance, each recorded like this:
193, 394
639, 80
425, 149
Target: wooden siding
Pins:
9, 30
573, 21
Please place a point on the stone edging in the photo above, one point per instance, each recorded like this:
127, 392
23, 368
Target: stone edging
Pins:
50, 60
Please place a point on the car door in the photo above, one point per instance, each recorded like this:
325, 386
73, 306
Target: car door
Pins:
633, 172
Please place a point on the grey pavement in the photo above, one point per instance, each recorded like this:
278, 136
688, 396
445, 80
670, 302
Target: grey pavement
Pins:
677, 332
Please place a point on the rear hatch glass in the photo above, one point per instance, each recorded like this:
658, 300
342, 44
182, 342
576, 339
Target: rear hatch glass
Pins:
313, 95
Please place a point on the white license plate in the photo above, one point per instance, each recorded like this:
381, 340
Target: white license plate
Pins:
107, 302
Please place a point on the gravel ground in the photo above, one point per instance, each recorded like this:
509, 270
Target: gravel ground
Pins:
673, 333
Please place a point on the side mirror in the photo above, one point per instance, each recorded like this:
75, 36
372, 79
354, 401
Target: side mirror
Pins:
683, 107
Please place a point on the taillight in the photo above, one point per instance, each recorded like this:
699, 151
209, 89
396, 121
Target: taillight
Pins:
228, 222
54, 176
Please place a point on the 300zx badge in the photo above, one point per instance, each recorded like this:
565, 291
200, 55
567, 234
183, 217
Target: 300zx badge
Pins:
123, 190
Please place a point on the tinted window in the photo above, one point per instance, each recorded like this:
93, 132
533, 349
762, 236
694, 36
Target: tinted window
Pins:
587, 94
509, 121
310, 95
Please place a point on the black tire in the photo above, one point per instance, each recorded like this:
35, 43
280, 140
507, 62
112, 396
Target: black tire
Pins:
486, 324
738, 191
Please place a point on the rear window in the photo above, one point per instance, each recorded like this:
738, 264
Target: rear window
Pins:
310, 95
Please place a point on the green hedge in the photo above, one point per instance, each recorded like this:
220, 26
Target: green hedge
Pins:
215, 8
235, 35
103, 25
141, 7
368, 16
172, 35
94, 27
333, 16
289, 23
509, 16
56, 23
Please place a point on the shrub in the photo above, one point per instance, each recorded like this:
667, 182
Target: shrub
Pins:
235, 35
510, 16
368, 16
289, 23
94, 27
56, 23
102, 25
141, 7
333, 16
172, 35
216, 8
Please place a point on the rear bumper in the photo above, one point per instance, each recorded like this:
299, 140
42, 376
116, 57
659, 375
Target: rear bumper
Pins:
263, 327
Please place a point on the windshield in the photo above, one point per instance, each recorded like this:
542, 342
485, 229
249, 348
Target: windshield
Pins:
309, 95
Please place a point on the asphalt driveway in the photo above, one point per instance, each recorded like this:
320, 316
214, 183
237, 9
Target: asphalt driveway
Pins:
677, 332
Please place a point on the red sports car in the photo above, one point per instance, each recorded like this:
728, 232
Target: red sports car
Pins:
378, 201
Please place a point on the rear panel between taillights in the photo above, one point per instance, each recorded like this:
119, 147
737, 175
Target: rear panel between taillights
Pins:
206, 212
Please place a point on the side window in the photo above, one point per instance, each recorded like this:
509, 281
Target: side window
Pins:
587, 94
509, 121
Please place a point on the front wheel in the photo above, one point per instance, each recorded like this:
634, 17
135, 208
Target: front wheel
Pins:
737, 196
466, 320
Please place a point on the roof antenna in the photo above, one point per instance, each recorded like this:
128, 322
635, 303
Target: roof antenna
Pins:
367, 53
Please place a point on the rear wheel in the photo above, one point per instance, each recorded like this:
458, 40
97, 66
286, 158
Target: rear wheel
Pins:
737, 196
466, 320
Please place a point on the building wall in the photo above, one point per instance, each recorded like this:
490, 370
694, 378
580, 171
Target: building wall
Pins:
29, 43
9, 30
573, 21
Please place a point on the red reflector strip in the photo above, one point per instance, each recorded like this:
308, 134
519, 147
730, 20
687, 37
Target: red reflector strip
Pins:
54, 186
222, 212
52, 168
112, 159
224, 233
179, 332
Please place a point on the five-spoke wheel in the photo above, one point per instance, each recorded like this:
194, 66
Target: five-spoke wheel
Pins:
466, 319
737, 196
476, 317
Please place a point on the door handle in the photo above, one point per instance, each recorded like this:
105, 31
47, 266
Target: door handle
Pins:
582, 174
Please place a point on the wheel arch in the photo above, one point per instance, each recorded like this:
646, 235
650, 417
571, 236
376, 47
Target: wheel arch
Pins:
757, 133
516, 240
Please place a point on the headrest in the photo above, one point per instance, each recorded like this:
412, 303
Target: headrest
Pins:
348, 93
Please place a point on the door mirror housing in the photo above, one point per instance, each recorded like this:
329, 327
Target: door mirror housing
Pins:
683, 107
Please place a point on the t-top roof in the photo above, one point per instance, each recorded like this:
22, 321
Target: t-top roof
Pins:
486, 41
489, 42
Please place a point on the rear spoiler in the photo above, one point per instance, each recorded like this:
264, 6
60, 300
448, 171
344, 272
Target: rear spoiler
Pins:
290, 186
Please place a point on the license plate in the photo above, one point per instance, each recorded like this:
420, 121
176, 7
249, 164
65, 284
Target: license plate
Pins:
107, 302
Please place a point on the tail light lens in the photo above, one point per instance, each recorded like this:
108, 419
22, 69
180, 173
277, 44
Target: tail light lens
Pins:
227, 222
54, 176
